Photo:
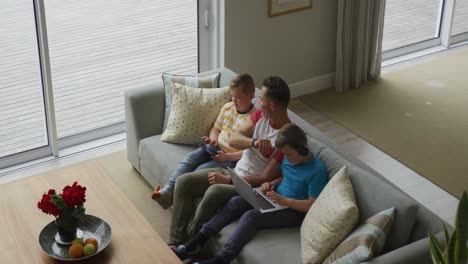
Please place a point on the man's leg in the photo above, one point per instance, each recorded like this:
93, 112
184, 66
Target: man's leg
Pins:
215, 164
188, 164
188, 187
216, 196
250, 223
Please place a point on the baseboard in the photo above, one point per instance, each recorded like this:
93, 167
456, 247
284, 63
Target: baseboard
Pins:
312, 85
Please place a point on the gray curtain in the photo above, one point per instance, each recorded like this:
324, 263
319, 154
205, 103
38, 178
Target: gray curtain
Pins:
359, 42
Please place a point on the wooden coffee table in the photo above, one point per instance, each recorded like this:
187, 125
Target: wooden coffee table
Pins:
133, 238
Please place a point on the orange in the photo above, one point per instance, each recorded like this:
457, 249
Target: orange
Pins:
91, 241
76, 250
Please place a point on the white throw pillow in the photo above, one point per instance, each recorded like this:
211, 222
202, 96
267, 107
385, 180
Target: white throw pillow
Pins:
208, 81
193, 113
331, 217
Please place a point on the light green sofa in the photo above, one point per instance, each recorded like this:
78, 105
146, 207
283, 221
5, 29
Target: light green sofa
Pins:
155, 161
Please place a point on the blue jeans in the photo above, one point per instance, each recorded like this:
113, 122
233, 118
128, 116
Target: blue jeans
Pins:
250, 222
197, 160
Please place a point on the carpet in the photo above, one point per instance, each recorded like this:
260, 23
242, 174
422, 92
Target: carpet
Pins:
137, 190
418, 115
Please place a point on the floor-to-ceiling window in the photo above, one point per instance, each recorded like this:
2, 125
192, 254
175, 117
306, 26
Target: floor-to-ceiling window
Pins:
95, 50
411, 26
22, 111
98, 49
460, 21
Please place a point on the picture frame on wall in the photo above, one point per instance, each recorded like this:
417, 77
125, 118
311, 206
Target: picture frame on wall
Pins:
282, 7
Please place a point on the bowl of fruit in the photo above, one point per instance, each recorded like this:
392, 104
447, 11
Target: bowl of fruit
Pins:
93, 236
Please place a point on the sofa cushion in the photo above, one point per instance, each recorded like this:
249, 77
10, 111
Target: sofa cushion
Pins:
209, 80
159, 159
365, 242
331, 217
373, 195
193, 113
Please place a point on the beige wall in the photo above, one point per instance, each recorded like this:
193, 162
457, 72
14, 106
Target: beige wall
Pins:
296, 46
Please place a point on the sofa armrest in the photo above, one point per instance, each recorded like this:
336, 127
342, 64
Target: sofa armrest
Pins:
144, 115
416, 252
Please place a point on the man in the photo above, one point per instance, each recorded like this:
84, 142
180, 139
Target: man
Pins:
260, 162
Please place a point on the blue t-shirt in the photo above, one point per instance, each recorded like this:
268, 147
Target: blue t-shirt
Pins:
302, 181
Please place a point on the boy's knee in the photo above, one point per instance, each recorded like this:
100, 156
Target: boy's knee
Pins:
250, 217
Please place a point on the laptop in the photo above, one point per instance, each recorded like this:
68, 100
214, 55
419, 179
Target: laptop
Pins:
254, 197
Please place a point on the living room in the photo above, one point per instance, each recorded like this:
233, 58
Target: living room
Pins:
301, 47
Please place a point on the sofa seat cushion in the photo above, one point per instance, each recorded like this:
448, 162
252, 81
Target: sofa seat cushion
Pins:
279, 245
373, 195
159, 159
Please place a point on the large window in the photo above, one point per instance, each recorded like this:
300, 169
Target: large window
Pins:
460, 19
64, 65
98, 49
420, 24
22, 114
410, 22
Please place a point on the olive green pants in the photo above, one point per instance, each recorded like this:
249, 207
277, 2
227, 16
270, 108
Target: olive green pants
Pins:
186, 219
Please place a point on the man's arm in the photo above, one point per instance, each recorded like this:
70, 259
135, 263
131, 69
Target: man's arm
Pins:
242, 136
270, 173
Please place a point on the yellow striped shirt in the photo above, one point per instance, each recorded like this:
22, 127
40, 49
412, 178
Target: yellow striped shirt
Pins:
227, 122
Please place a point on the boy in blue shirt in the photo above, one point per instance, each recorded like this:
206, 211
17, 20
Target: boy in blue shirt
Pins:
303, 178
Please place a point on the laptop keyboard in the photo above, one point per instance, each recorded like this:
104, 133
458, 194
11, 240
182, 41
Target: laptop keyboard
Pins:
262, 202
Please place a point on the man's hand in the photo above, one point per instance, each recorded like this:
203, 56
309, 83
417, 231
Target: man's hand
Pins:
217, 178
266, 187
264, 146
221, 157
275, 197
210, 141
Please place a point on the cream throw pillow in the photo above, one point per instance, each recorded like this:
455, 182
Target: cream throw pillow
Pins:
329, 220
193, 113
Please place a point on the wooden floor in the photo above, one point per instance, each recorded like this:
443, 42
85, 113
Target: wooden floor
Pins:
98, 49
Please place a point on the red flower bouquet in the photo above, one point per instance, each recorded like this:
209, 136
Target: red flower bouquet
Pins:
67, 208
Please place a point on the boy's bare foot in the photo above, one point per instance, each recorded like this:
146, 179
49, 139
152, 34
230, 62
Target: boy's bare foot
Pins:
156, 192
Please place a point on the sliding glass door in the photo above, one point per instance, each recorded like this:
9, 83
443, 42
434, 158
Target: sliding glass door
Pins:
415, 25
98, 49
23, 126
460, 21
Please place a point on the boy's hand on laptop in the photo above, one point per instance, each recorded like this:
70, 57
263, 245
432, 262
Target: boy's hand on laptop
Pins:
210, 141
275, 197
217, 178
264, 146
266, 187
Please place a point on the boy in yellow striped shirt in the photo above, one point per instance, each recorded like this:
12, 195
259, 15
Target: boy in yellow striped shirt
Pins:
231, 116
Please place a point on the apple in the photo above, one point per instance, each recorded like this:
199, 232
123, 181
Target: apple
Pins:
89, 249
77, 240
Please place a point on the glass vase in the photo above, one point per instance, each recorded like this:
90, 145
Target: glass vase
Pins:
67, 226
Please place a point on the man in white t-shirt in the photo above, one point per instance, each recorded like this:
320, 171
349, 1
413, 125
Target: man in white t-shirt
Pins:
260, 162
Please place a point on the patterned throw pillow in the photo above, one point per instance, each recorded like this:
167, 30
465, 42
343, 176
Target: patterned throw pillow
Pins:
209, 81
365, 242
329, 220
193, 113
